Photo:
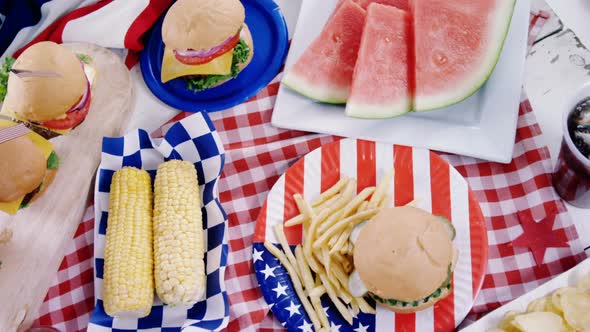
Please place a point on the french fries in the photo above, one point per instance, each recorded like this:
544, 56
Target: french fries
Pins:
303, 206
330, 192
322, 263
297, 220
280, 234
381, 190
296, 283
353, 220
348, 209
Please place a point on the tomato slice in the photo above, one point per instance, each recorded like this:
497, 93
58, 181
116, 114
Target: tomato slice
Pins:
195, 60
72, 119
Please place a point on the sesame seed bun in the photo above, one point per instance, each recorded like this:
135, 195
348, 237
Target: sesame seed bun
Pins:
404, 253
41, 99
201, 24
23, 168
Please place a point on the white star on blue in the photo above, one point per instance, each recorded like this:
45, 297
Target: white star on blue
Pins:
268, 271
334, 327
361, 328
281, 299
293, 309
257, 256
280, 290
306, 327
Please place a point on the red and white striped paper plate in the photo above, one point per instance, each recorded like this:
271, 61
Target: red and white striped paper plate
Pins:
419, 174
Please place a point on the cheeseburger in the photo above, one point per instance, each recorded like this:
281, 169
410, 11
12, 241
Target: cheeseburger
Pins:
206, 42
28, 166
57, 102
404, 258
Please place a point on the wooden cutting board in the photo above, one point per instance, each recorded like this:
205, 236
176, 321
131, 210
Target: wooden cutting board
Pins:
41, 232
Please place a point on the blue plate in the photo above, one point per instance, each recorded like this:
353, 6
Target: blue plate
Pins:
270, 36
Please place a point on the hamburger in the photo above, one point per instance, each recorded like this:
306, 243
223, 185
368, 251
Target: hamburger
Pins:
206, 42
404, 258
28, 166
58, 103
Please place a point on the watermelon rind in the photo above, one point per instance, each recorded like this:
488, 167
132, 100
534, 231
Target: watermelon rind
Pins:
365, 111
504, 16
315, 92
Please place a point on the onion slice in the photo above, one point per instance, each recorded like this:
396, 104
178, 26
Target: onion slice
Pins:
202, 53
84, 97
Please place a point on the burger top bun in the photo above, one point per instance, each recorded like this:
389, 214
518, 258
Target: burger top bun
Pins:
201, 24
23, 168
41, 99
403, 253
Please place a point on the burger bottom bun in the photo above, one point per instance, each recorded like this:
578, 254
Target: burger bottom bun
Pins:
443, 293
405, 310
247, 37
49, 176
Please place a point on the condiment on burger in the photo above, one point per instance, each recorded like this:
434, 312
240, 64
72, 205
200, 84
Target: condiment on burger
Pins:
27, 167
404, 257
57, 103
206, 42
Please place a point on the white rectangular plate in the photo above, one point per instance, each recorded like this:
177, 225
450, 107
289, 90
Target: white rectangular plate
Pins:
481, 126
569, 278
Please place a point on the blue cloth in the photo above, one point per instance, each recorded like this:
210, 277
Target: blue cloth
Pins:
18, 14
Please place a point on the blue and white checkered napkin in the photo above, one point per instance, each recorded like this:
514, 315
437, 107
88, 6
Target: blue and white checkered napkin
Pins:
194, 139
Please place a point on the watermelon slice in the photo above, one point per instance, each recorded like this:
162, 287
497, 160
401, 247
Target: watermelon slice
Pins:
380, 86
324, 70
401, 4
457, 46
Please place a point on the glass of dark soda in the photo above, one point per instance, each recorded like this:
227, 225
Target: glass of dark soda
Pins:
571, 177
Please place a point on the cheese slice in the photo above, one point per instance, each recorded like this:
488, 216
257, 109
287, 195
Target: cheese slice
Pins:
10, 114
46, 148
172, 68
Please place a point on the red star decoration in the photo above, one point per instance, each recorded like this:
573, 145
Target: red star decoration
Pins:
538, 236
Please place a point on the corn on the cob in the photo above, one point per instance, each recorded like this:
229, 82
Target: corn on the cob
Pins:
178, 234
128, 288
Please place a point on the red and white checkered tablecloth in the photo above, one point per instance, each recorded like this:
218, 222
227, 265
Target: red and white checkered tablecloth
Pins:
257, 154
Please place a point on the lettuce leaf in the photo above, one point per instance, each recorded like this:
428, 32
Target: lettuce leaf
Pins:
84, 58
4, 70
201, 82
53, 161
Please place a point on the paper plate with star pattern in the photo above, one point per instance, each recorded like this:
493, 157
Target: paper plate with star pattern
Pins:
419, 174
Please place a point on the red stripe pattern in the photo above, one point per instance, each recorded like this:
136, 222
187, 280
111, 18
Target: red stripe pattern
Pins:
133, 37
442, 205
403, 194
293, 185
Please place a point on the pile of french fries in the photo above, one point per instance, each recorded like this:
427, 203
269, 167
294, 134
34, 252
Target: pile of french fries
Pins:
322, 263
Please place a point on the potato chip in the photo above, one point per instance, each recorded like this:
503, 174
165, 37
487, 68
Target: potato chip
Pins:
539, 321
549, 306
506, 323
556, 297
538, 305
584, 282
576, 309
